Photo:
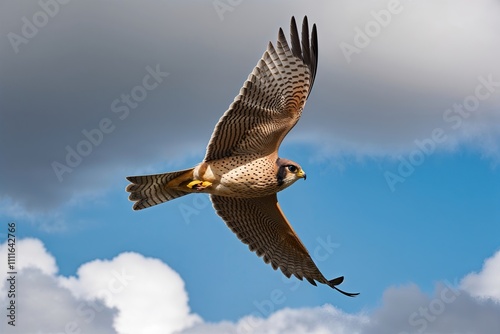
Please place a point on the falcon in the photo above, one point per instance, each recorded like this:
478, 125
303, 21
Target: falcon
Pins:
242, 171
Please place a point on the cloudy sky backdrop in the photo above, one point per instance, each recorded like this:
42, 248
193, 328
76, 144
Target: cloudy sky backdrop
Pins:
399, 138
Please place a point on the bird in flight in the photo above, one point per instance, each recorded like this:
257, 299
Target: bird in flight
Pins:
242, 171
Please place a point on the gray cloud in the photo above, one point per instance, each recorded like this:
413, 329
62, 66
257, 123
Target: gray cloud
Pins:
64, 79
449, 310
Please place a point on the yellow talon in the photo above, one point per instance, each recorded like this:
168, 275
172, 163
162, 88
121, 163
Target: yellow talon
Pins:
199, 185
205, 184
191, 184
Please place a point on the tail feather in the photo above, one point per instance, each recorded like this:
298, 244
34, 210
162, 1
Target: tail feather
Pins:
150, 190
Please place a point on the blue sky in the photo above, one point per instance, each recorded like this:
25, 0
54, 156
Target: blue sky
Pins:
428, 239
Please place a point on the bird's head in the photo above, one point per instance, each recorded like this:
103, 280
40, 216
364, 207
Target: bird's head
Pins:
288, 172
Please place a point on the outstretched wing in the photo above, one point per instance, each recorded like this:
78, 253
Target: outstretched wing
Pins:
271, 100
260, 223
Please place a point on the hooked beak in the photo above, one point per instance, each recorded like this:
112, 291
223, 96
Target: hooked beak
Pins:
302, 174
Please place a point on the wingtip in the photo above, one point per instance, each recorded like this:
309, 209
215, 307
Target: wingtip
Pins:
304, 21
337, 281
281, 37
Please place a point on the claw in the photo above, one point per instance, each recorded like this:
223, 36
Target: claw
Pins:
199, 185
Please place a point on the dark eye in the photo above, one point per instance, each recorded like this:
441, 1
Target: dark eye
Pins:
292, 168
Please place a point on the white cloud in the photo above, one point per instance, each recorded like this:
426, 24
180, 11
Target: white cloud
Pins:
317, 320
44, 307
31, 253
130, 294
135, 294
484, 284
149, 295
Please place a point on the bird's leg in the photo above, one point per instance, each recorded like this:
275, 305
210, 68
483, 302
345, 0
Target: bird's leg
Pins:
179, 181
198, 185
